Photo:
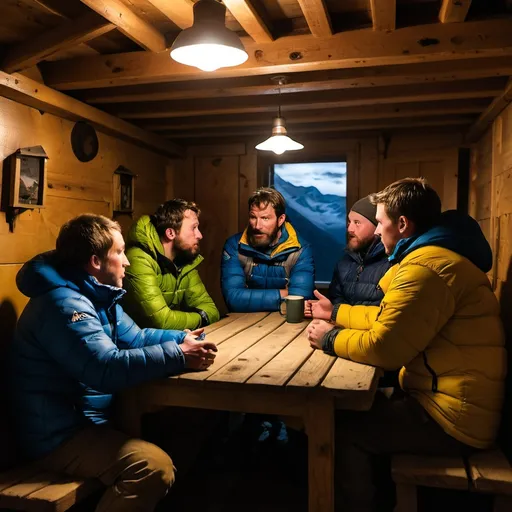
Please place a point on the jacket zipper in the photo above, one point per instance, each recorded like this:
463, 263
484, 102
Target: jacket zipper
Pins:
360, 269
432, 372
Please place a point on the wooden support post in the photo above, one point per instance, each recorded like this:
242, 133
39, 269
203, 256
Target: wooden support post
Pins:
319, 421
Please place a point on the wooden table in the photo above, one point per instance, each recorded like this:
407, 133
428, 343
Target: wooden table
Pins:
265, 365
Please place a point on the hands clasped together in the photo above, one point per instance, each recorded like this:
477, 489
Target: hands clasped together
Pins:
199, 355
321, 311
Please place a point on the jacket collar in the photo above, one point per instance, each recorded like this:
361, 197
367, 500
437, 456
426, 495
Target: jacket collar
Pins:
375, 252
288, 242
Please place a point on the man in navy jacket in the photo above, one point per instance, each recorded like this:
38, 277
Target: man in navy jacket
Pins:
74, 348
356, 277
268, 261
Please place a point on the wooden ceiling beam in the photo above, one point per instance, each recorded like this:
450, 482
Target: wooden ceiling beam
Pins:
180, 12
66, 35
127, 22
317, 17
358, 48
383, 14
453, 11
422, 109
304, 82
482, 88
486, 119
36, 95
250, 20
325, 127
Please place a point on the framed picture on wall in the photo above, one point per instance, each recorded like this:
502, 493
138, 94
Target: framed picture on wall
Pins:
124, 190
28, 175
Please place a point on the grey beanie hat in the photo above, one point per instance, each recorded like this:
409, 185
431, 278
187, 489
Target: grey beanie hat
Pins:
365, 208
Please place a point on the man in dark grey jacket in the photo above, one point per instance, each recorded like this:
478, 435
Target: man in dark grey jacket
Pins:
355, 280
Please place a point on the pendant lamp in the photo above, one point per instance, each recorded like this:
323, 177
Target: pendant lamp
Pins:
279, 142
208, 44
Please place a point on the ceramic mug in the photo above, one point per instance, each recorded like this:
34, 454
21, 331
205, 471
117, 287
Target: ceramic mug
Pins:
294, 309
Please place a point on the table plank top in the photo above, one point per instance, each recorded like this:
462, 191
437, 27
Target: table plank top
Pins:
262, 349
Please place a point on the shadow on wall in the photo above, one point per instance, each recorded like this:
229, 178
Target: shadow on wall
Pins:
8, 319
505, 436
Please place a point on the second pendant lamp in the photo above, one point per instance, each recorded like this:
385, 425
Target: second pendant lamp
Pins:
208, 44
279, 142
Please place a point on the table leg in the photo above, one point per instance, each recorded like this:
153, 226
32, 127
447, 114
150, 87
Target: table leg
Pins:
319, 421
130, 409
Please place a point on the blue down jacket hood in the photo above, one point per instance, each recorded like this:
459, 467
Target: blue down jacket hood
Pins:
457, 232
73, 348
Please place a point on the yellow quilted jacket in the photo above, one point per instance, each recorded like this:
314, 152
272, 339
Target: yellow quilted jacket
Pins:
439, 322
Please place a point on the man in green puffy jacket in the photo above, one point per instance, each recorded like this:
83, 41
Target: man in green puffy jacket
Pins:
163, 284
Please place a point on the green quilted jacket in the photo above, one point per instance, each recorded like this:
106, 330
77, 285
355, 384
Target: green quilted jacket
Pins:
159, 294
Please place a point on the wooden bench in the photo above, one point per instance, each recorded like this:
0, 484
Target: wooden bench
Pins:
32, 489
486, 472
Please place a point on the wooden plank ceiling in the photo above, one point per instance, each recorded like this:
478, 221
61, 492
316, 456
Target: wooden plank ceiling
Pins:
352, 65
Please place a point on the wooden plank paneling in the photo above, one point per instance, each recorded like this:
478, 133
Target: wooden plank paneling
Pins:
250, 20
178, 11
76, 187
383, 14
216, 193
317, 17
357, 48
454, 10
489, 115
65, 35
129, 23
304, 82
36, 95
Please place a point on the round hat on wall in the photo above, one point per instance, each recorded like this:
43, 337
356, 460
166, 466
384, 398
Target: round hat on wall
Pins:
84, 141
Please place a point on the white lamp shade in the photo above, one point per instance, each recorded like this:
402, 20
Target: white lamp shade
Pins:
208, 44
279, 142
209, 57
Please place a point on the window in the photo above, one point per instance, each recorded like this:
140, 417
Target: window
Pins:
315, 195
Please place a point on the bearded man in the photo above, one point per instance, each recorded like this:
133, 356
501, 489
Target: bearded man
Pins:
162, 281
356, 277
268, 261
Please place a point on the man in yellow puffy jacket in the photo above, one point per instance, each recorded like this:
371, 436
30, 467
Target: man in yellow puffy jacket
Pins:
439, 322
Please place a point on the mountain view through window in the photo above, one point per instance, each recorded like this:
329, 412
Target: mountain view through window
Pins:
315, 195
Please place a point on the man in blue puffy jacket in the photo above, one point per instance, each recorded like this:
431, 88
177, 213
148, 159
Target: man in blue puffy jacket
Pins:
268, 261
73, 348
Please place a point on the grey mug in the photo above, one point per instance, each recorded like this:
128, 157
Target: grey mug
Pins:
294, 305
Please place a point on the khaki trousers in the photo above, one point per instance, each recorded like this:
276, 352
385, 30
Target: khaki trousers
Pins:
137, 474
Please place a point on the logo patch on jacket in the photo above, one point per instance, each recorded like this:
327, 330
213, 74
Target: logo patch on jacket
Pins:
76, 317
225, 256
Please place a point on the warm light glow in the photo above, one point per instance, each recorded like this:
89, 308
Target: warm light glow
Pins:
279, 144
209, 57
208, 44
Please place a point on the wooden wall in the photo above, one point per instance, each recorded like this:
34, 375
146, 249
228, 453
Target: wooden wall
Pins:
491, 204
221, 177
73, 188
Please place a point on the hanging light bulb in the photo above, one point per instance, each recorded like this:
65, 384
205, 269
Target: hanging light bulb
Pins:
208, 44
279, 142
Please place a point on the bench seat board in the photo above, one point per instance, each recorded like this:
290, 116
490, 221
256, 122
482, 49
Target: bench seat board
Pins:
491, 472
443, 472
32, 489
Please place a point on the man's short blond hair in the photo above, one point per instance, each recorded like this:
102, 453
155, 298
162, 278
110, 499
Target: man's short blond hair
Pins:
84, 236
412, 198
